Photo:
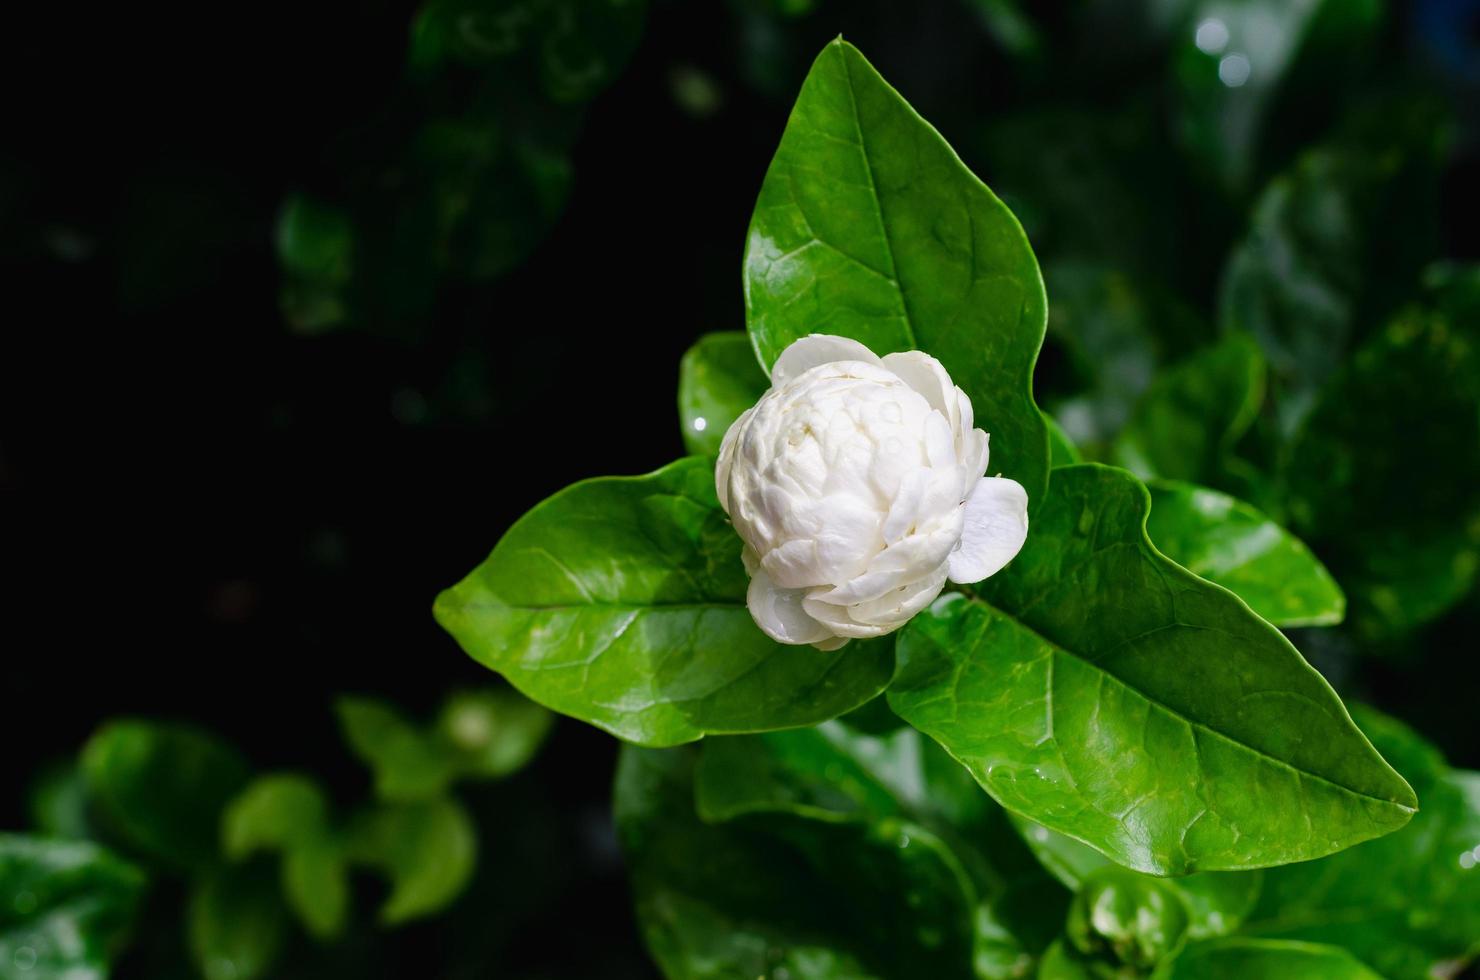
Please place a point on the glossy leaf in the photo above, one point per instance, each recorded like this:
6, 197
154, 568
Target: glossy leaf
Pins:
236, 923
67, 907
492, 733
1061, 448
427, 849
1126, 920
621, 601
278, 812
1239, 958
1403, 904
1226, 749
718, 379
1228, 542
1216, 901
1186, 423
869, 226
1382, 477
161, 788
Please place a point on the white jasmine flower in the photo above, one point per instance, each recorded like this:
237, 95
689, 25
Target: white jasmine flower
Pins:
857, 485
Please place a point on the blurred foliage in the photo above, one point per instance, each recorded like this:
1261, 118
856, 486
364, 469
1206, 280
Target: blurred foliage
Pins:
185, 804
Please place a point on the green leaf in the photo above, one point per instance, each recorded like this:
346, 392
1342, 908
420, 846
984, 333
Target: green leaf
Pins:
768, 893
492, 733
1216, 901
1233, 753
67, 907
1239, 958
1061, 448
236, 923
906, 793
277, 812
1334, 246
57, 803
316, 884
718, 379
1403, 904
427, 849
621, 602
408, 764
1228, 542
1185, 425
1382, 476
1126, 920
869, 226
161, 788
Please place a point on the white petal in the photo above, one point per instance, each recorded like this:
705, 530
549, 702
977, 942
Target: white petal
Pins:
926, 375
898, 607
726, 459
814, 349
837, 620
996, 527
834, 643
779, 612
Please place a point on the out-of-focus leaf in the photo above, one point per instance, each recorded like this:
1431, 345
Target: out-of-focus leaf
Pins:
1403, 904
1061, 449
57, 803
1185, 425
492, 733
1230, 60
1103, 322
869, 226
1228, 542
236, 922
770, 892
1334, 245
1238, 958
315, 246
161, 788
1382, 479
316, 885
621, 602
1232, 752
427, 849
717, 380
279, 812
1009, 25
908, 793
408, 763
66, 910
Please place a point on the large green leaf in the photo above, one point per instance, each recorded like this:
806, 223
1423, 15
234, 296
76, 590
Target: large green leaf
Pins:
869, 226
161, 788
1382, 477
1238, 958
1407, 902
718, 379
621, 601
1186, 423
1111, 695
67, 907
1227, 541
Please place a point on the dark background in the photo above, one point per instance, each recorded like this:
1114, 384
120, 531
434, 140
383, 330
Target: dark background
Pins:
206, 515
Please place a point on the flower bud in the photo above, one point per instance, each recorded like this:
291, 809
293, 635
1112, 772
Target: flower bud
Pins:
856, 483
